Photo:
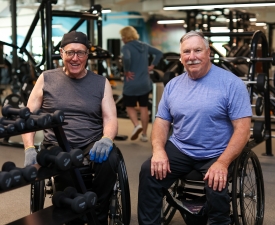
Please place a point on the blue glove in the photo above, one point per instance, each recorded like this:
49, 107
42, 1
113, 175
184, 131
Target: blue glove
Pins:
30, 156
101, 150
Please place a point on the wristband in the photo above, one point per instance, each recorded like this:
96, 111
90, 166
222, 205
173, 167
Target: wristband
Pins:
29, 148
108, 138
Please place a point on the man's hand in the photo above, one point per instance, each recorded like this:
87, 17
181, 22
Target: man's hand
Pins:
129, 75
101, 149
160, 165
217, 176
30, 156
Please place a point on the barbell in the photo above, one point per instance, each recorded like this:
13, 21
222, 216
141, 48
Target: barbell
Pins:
243, 59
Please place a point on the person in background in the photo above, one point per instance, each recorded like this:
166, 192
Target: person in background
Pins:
137, 83
87, 102
211, 114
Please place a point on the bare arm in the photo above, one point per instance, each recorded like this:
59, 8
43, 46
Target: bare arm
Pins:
160, 162
110, 124
34, 103
217, 173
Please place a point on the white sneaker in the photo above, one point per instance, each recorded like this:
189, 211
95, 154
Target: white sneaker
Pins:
137, 130
143, 138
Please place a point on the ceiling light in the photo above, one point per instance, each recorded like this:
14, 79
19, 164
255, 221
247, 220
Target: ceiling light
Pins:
106, 10
252, 19
170, 21
226, 5
260, 24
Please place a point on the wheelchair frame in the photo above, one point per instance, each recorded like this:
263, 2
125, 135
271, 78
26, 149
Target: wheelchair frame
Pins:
120, 202
246, 191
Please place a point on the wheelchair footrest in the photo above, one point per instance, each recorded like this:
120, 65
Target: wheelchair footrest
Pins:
194, 206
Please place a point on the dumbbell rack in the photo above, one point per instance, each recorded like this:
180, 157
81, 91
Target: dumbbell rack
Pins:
53, 215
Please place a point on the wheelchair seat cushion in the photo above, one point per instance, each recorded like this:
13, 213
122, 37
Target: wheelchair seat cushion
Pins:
193, 175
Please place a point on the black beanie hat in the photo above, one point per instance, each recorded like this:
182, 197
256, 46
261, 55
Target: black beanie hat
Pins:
75, 37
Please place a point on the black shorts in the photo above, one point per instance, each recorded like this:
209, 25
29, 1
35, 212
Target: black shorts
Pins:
131, 101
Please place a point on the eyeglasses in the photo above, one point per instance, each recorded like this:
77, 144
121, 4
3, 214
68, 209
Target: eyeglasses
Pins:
70, 53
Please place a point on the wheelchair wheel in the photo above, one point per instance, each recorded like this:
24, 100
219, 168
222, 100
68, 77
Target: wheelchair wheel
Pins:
168, 211
248, 190
37, 196
121, 203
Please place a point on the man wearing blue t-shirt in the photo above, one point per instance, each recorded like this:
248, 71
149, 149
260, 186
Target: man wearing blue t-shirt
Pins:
211, 114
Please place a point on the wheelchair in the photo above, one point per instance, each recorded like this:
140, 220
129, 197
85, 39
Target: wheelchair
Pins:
246, 191
120, 203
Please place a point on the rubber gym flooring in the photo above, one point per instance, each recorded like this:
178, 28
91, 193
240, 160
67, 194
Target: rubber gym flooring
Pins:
16, 203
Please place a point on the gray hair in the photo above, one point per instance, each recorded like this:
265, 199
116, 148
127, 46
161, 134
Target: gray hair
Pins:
193, 33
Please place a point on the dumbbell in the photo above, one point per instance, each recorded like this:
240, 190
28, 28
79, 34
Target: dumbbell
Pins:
30, 123
41, 120
5, 180
76, 155
29, 173
19, 123
23, 113
77, 204
62, 160
90, 197
7, 129
57, 117
16, 176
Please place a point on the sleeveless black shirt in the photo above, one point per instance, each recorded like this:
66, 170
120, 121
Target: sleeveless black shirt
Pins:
80, 100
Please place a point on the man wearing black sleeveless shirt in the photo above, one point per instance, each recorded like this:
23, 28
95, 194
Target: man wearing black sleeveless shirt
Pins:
87, 102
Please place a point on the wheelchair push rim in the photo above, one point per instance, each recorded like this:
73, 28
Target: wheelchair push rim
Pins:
248, 191
123, 201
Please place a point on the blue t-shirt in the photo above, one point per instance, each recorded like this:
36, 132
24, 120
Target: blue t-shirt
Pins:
202, 110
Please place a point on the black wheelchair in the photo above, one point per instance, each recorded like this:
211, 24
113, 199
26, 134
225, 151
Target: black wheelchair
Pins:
246, 191
120, 203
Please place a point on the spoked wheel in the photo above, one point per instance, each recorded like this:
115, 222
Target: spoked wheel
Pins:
37, 196
248, 190
168, 211
121, 202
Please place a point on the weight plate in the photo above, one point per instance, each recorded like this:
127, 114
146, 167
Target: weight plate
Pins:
259, 108
261, 82
258, 131
14, 100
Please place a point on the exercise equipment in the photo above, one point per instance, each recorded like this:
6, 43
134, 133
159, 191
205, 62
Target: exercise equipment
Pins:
29, 173
77, 157
8, 110
57, 117
261, 82
30, 123
90, 197
5, 180
7, 129
259, 106
15, 175
62, 160
78, 204
14, 100
42, 120
19, 123
259, 131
